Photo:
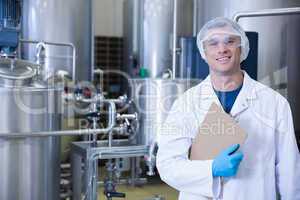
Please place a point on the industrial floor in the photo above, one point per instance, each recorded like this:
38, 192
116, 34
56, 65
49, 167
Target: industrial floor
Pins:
145, 192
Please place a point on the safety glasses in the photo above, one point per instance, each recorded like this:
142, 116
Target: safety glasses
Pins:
228, 41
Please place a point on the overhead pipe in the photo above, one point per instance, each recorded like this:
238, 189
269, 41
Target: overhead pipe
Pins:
266, 12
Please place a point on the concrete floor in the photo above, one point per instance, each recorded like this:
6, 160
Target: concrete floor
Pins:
144, 192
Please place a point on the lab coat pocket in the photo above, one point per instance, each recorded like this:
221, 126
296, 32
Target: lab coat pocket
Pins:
256, 161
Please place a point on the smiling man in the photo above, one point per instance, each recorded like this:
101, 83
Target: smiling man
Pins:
266, 165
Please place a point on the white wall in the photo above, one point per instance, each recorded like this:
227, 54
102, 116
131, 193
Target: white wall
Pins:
108, 17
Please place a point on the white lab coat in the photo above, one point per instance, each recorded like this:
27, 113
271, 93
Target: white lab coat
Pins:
271, 160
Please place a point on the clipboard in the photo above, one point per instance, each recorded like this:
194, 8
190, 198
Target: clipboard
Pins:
217, 132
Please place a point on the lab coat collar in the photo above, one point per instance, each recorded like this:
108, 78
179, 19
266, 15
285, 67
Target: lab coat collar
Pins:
247, 94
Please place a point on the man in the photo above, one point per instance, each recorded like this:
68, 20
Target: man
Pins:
268, 163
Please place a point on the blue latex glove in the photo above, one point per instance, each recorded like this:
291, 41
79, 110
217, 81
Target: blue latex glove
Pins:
227, 162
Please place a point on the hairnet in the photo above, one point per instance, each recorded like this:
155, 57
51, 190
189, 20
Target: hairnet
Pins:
230, 27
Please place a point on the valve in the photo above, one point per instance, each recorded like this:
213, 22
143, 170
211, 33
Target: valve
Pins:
110, 195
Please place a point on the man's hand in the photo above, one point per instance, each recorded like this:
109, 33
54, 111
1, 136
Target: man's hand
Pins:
227, 162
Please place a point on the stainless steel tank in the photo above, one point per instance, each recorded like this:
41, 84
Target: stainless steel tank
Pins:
156, 37
68, 21
148, 33
278, 62
153, 99
29, 167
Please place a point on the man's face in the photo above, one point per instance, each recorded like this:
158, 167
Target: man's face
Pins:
223, 52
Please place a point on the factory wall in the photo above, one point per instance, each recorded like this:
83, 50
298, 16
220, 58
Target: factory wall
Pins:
108, 16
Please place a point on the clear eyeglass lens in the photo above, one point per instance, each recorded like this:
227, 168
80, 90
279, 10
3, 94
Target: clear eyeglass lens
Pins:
229, 41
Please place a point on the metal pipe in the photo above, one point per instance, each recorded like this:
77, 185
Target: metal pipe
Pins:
94, 119
40, 50
195, 14
125, 181
113, 152
80, 98
120, 100
266, 12
40, 57
115, 101
174, 56
118, 130
111, 124
52, 133
135, 31
94, 144
133, 170
110, 138
92, 24
71, 45
99, 98
127, 116
98, 71
151, 159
